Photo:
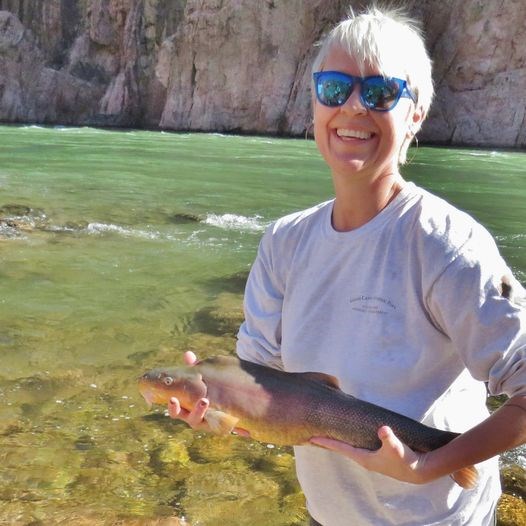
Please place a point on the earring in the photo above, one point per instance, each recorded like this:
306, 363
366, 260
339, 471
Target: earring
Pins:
414, 151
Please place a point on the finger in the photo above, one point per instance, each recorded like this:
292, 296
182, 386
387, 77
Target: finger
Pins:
385, 433
189, 358
394, 449
390, 440
196, 415
175, 410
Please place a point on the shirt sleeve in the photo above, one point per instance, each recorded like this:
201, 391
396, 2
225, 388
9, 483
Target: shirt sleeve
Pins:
259, 337
479, 305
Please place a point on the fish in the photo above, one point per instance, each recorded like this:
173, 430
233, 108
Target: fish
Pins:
287, 409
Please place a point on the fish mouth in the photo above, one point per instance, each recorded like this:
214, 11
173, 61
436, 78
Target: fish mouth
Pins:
149, 398
148, 392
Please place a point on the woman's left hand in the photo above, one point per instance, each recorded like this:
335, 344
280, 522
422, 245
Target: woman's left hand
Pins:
393, 458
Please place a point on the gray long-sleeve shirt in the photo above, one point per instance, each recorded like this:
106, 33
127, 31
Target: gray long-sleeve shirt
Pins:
407, 312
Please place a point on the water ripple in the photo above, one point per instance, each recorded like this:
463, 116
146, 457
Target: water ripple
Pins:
236, 222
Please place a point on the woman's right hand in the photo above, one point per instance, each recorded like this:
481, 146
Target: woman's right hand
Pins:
195, 417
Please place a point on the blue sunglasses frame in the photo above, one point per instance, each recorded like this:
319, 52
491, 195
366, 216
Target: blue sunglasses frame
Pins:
344, 84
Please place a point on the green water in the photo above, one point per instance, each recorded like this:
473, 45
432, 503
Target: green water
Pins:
118, 251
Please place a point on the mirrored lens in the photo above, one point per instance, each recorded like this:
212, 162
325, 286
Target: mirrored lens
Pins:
333, 91
380, 93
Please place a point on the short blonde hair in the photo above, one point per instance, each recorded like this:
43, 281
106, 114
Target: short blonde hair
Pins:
390, 41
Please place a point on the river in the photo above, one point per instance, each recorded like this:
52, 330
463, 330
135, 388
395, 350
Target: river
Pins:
118, 251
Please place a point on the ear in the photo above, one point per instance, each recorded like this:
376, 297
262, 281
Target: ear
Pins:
415, 121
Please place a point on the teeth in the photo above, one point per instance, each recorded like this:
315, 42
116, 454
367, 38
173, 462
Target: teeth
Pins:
355, 134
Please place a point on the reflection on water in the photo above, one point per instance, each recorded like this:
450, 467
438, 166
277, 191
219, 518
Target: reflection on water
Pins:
120, 250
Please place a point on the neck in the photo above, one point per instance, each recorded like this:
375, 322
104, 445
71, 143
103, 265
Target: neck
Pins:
357, 204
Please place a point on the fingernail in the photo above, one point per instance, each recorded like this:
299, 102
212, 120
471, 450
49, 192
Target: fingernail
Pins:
203, 403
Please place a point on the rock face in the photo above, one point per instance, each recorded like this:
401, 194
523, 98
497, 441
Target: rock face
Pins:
479, 52
235, 66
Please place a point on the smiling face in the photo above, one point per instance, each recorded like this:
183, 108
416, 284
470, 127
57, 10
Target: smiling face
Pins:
355, 141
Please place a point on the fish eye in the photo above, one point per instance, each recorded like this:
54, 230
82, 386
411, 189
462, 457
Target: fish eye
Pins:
168, 380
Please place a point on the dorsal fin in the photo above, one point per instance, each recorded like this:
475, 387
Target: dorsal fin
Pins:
324, 378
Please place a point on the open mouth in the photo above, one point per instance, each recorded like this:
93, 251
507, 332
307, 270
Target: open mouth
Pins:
345, 133
149, 397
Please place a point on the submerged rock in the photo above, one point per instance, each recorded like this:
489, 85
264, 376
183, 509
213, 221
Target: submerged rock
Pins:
10, 229
223, 317
234, 284
511, 511
173, 452
514, 481
16, 220
14, 210
182, 218
222, 493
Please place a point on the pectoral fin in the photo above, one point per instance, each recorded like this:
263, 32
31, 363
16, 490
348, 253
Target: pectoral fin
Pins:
219, 422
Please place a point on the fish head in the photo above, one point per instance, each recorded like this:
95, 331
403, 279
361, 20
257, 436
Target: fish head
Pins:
185, 383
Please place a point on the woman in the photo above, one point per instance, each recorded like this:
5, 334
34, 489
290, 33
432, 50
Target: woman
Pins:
393, 291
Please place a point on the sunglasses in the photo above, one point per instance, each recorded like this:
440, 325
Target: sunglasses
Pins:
377, 93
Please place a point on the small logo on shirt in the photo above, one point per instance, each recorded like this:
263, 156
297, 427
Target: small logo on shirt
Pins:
372, 304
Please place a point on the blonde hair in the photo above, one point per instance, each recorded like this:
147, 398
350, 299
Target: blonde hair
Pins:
387, 40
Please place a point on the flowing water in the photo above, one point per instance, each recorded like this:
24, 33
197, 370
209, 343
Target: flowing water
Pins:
118, 251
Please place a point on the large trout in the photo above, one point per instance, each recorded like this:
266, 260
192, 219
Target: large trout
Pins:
287, 408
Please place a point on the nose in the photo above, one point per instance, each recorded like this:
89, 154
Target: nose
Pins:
354, 104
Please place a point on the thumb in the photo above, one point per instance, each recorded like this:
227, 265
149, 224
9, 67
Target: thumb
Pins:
385, 433
391, 444
388, 438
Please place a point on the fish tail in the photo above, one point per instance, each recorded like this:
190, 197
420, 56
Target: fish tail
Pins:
466, 477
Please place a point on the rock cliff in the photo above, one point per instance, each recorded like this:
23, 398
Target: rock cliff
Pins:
243, 66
